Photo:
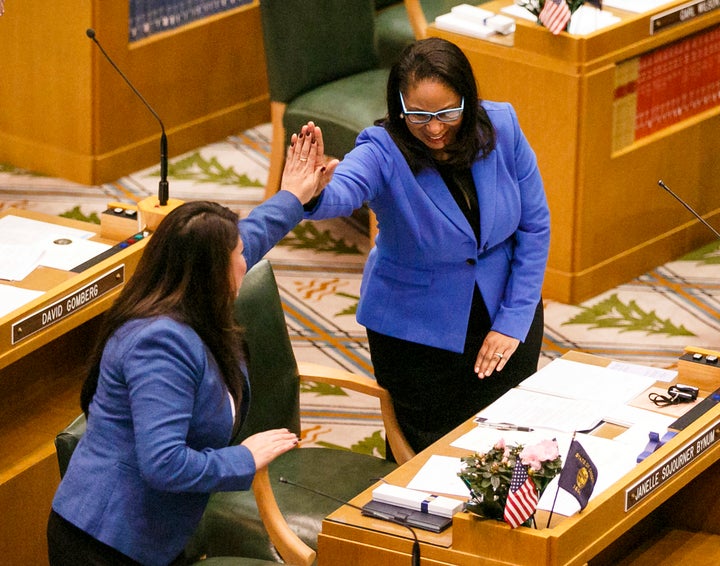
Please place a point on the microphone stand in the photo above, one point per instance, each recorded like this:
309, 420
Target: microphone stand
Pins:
686, 205
416, 543
152, 211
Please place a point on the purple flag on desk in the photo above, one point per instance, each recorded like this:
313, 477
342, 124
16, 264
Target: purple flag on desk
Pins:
579, 474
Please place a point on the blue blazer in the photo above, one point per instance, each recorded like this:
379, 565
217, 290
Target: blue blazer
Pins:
160, 422
419, 278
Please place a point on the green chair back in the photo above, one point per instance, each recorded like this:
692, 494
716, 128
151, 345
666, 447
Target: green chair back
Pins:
273, 374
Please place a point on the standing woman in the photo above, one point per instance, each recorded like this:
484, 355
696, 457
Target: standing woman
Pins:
167, 388
451, 292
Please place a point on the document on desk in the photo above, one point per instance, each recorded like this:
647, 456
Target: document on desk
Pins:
12, 298
524, 407
28, 243
575, 380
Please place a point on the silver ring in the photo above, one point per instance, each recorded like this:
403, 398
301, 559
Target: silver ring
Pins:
498, 354
303, 159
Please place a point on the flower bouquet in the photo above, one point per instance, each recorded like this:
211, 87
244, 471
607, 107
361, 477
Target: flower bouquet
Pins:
489, 475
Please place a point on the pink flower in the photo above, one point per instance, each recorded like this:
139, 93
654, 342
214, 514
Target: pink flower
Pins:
534, 456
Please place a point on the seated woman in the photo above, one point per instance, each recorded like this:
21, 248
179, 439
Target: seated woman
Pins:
167, 387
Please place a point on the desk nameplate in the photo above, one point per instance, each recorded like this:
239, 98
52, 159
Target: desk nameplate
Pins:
682, 14
67, 305
674, 463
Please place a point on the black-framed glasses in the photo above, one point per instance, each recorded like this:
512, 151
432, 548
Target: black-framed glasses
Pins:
418, 117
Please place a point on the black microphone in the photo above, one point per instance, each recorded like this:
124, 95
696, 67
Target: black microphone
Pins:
686, 205
163, 188
376, 514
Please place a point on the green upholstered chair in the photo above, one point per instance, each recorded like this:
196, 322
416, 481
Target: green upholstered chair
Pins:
267, 525
322, 66
398, 23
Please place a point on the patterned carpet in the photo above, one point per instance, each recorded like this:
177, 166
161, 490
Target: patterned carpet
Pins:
648, 320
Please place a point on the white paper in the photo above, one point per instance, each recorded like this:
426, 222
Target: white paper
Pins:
457, 24
586, 20
19, 260
524, 407
658, 374
12, 298
575, 380
19, 230
440, 475
635, 6
612, 459
28, 243
71, 253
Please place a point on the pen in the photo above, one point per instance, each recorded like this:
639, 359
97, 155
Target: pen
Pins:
501, 426
474, 495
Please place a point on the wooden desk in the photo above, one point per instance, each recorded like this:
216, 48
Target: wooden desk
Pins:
577, 98
40, 379
67, 113
602, 533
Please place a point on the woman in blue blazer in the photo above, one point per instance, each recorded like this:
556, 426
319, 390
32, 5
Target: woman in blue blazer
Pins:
451, 292
167, 388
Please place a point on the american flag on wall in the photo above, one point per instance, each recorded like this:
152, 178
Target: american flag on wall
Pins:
555, 15
522, 498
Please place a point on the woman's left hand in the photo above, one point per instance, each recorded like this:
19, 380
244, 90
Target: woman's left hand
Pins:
494, 353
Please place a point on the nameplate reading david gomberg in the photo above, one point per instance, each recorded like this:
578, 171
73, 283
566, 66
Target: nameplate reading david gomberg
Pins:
677, 461
67, 305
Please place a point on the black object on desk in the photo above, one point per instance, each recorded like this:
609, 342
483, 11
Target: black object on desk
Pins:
408, 517
107, 253
696, 412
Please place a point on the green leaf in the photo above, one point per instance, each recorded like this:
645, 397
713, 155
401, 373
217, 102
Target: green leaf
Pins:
321, 389
76, 214
196, 168
709, 255
373, 445
613, 313
307, 236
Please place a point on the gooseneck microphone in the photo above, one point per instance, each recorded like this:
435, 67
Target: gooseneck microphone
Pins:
686, 205
390, 518
163, 187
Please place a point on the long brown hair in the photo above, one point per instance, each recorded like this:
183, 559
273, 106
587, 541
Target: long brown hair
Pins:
185, 274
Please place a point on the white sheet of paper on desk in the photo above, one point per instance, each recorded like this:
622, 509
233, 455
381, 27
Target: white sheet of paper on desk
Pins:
12, 298
19, 260
70, 254
576, 380
483, 439
658, 374
635, 6
440, 475
25, 231
612, 459
534, 409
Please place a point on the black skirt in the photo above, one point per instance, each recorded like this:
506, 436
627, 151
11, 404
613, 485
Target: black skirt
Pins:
435, 390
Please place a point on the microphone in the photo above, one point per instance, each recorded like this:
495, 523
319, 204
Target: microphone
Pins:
163, 187
385, 517
686, 205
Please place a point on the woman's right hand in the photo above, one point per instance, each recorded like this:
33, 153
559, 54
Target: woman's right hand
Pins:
268, 445
306, 173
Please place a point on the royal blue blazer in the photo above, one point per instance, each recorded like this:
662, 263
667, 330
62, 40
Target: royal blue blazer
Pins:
419, 278
160, 422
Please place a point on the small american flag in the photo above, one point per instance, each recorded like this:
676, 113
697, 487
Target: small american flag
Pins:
555, 15
522, 498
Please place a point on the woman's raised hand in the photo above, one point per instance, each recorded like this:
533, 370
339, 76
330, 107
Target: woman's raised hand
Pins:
306, 173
